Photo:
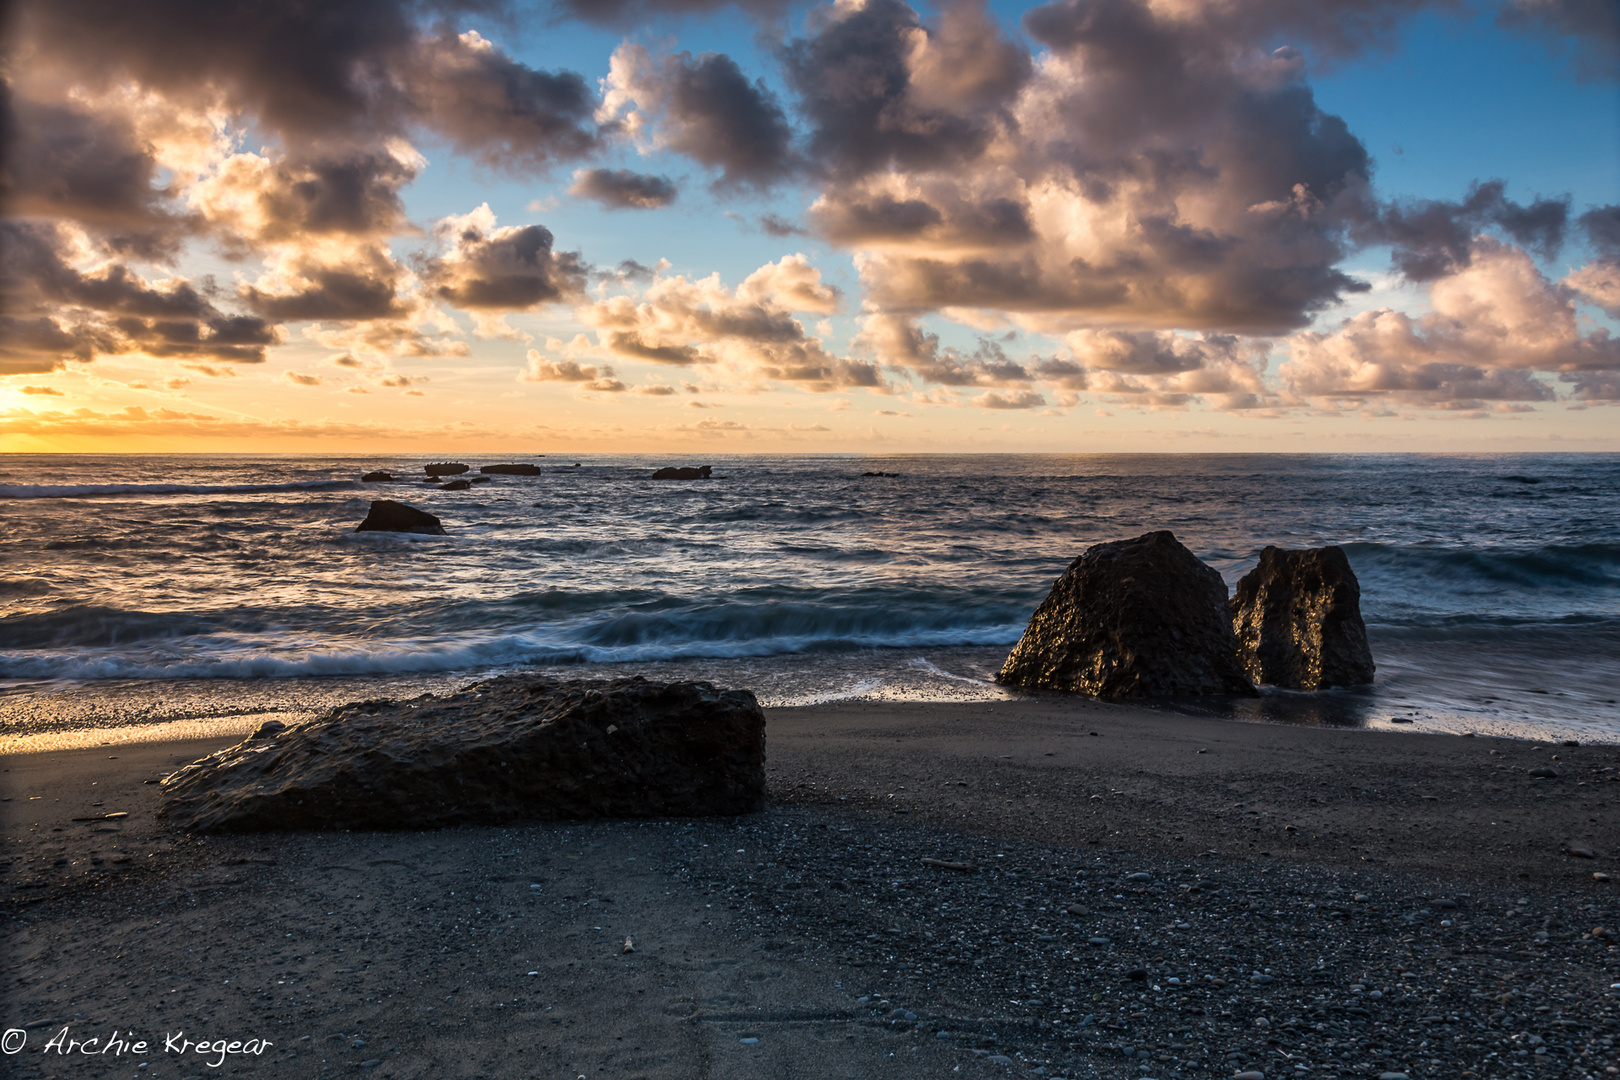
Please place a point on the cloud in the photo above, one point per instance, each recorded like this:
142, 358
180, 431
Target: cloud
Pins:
542, 370
621, 189
43, 391
1010, 399
1588, 31
1491, 325
1432, 238
704, 108
1149, 172
64, 299
779, 227
510, 268
630, 13
300, 379
752, 329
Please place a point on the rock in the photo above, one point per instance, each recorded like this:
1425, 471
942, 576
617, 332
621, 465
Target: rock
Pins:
1582, 852
700, 472
389, 516
376, 477
268, 730
478, 480
1132, 618
1544, 772
456, 485
515, 747
445, 468
511, 470
890, 475
1297, 617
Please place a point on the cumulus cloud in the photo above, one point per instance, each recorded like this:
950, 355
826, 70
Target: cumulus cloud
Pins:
1491, 326
1010, 399
752, 329
705, 108
621, 189
1432, 238
64, 299
500, 268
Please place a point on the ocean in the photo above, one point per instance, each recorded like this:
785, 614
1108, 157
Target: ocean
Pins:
183, 594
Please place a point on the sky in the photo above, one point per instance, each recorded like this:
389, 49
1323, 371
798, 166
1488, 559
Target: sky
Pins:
698, 227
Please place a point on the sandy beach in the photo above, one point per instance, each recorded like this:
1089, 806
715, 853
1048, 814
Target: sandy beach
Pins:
1049, 887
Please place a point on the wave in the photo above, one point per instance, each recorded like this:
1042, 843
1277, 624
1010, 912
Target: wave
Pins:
80, 491
1551, 566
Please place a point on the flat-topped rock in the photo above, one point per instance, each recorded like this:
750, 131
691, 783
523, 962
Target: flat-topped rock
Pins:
511, 748
1131, 619
386, 515
1297, 618
511, 470
456, 485
376, 477
687, 472
445, 468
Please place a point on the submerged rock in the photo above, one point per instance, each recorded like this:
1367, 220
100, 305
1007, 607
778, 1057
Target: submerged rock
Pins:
389, 516
669, 472
510, 748
1128, 619
1297, 617
511, 470
456, 485
376, 477
445, 468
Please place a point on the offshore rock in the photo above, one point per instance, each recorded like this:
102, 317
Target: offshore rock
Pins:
511, 470
445, 468
1130, 619
669, 472
511, 748
456, 485
1297, 617
376, 477
389, 516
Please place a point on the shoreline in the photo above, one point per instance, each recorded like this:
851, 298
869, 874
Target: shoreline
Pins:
419, 946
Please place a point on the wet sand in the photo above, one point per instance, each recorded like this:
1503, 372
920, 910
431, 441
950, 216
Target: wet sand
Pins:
501, 951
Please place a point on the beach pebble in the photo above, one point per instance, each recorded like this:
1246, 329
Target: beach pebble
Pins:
1097, 941
1077, 909
750, 1041
1582, 852
1392, 1076
1262, 980
1545, 772
1140, 876
1136, 975
1249, 1074
1444, 904
1600, 876
999, 1059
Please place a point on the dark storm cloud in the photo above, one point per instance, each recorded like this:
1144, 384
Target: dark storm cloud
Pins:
1432, 238
502, 269
874, 104
621, 189
356, 194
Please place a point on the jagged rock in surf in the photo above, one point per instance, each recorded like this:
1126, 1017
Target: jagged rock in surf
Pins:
669, 472
376, 477
445, 468
1129, 619
1297, 618
511, 470
386, 515
511, 748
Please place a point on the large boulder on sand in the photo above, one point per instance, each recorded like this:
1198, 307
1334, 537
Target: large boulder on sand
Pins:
386, 515
1129, 619
515, 747
1297, 617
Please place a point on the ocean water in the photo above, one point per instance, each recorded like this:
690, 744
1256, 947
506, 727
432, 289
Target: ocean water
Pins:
182, 593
